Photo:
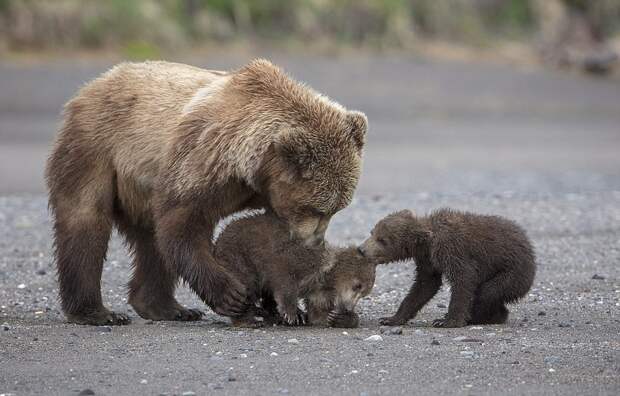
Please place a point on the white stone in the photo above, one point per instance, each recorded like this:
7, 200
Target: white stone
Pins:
373, 338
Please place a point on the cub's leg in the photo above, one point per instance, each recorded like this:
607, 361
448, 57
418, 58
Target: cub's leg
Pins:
424, 287
463, 282
491, 297
82, 226
151, 289
269, 310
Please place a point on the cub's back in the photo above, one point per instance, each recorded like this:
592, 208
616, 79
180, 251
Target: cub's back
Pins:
262, 243
492, 241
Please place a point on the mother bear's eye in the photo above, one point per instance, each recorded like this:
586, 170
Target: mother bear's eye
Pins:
381, 241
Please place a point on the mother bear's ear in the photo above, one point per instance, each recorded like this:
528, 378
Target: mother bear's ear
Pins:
358, 125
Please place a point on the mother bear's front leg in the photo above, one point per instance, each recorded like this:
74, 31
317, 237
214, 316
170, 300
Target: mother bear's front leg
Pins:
184, 234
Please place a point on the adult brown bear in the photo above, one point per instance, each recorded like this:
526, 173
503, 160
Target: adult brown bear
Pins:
163, 151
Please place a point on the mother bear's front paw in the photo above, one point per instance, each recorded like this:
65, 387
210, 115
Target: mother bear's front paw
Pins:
226, 295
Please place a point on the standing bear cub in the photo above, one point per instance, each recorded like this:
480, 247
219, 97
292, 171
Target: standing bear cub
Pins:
330, 280
162, 151
488, 261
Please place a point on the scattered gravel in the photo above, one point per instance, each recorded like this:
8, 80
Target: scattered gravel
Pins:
570, 248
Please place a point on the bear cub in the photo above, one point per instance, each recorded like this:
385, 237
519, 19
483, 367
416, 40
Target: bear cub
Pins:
487, 260
329, 280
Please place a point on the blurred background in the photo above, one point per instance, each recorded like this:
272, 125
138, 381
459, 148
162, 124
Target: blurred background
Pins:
462, 95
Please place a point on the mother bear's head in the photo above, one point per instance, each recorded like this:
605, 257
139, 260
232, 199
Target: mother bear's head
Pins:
313, 156
298, 150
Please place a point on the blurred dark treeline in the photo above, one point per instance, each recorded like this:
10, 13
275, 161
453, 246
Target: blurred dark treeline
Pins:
154, 25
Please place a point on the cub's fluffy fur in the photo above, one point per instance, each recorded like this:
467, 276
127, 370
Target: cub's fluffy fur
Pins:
488, 261
162, 151
330, 280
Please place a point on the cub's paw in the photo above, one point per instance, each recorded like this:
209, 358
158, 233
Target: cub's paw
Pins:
188, 315
448, 323
299, 318
100, 318
392, 321
343, 319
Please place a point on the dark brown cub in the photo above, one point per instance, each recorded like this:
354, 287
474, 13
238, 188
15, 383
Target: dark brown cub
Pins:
487, 260
330, 280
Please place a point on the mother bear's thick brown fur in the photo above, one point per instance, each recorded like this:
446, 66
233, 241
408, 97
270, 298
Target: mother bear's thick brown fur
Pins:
163, 151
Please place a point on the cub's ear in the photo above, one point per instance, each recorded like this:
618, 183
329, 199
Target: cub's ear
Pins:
406, 213
358, 125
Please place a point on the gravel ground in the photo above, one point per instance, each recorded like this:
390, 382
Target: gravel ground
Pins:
538, 147
561, 339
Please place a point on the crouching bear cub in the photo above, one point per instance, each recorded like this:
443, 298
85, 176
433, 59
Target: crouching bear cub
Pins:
488, 261
330, 280
163, 151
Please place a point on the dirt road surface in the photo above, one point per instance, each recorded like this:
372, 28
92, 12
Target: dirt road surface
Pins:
538, 147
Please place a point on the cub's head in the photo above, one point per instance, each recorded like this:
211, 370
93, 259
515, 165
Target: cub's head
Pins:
314, 159
395, 237
351, 278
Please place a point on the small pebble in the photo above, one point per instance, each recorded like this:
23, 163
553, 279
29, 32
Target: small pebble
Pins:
41, 272
395, 330
542, 313
104, 329
551, 359
418, 332
598, 277
467, 354
86, 391
552, 370
5, 327
144, 382
188, 393
435, 342
466, 339
564, 324
273, 354
21, 286
373, 338
441, 305
293, 341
